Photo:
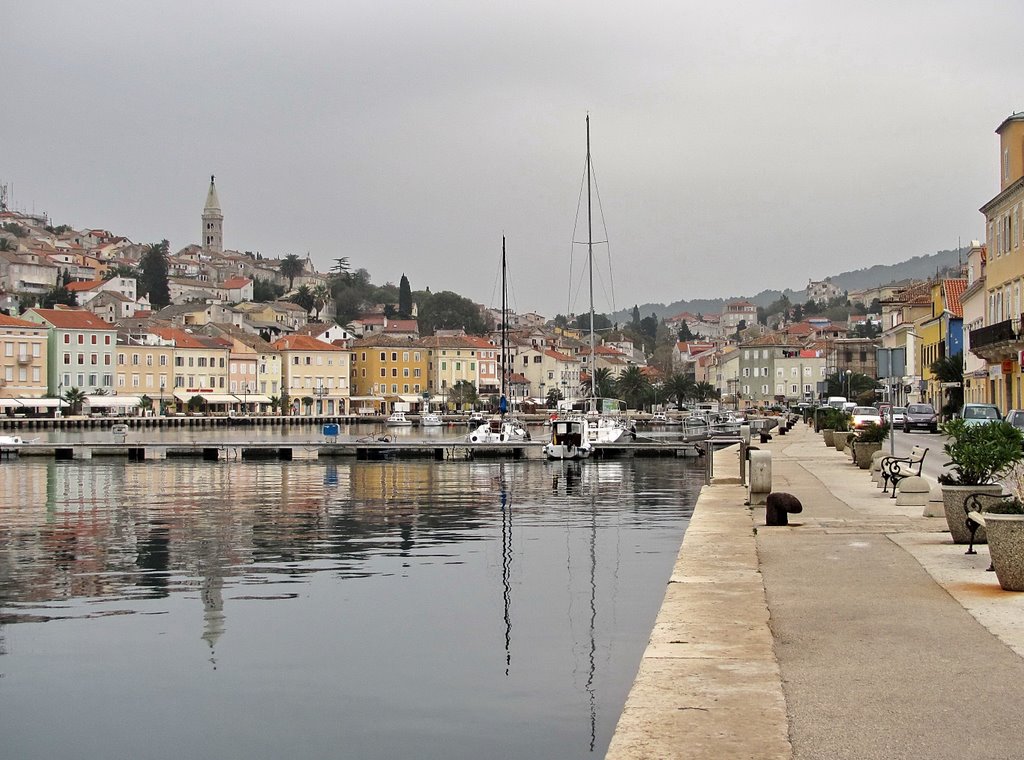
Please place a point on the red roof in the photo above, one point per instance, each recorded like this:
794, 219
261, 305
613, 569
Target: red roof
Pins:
6, 321
73, 319
303, 343
184, 339
954, 291
236, 283
76, 287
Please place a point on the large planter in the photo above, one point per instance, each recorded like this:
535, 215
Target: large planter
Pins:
840, 439
862, 453
828, 434
1006, 545
956, 518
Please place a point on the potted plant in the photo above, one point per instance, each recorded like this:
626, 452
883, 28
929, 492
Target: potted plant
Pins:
830, 420
978, 456
869, 440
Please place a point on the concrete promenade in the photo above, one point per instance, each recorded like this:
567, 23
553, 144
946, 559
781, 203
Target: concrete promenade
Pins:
858, 631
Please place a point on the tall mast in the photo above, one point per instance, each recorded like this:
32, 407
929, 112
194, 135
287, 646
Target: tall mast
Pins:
504, 322
590, 267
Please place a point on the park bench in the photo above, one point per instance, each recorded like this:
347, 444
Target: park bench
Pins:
976, 505
895, 469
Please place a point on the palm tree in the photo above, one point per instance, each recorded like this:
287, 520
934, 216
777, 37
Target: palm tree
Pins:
303, 297
705, 391
291, 267
680, 388
633, 386
275, 403
949, 370
321, 295
75, 397
602, 382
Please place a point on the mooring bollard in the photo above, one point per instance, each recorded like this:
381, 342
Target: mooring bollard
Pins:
760, 476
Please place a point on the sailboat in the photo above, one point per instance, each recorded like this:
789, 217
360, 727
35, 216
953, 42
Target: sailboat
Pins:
597, 425
501, 428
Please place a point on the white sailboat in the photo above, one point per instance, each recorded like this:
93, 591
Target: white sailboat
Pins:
501, 428
599, 426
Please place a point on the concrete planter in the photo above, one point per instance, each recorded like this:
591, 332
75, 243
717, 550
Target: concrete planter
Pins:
1006, 545
956, 519
841, 440
828, 434
863, 452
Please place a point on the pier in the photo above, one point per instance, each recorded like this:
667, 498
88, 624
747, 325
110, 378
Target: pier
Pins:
858, 631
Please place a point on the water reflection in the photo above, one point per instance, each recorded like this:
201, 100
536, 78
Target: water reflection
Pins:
362, 589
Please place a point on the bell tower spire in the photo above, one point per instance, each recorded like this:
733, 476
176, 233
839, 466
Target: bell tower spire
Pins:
213, 222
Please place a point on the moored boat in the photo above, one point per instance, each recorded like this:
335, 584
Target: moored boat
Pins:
398, 419
569, 439
431, 419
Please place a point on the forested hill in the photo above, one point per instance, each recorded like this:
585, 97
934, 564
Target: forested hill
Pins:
917, 268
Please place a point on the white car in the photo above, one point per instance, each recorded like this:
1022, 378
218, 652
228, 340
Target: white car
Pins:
863, 415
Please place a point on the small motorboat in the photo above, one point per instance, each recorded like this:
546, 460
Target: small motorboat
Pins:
398, 419
430, 419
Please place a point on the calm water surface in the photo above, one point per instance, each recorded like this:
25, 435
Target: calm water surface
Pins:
310, 610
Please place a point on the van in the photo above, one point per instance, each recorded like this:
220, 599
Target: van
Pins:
837, 402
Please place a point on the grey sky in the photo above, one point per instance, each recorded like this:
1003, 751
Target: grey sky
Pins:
737, 146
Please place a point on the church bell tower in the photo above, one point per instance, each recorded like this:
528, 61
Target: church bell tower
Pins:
213, 222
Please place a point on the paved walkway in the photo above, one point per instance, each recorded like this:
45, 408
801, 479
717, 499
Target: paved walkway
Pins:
859, 631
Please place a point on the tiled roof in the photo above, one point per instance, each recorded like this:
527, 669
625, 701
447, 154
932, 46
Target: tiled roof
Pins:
954, 290
184, 339
73, 319
385, 341
303, 343
78, 287
6, 321
235, 283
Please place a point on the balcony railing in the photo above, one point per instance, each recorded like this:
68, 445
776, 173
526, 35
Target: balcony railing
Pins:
1007, 330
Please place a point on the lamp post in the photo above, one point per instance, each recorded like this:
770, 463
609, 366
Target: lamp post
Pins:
162, 382
849, 388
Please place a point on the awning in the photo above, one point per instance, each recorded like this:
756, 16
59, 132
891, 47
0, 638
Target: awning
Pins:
7, 403
412, 399
219, 398
110, 401
252, 398
38, 402
377, 399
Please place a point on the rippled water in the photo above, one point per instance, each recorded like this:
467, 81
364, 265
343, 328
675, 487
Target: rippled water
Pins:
313, 609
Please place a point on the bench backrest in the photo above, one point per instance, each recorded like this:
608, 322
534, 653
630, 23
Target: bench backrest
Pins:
917, 454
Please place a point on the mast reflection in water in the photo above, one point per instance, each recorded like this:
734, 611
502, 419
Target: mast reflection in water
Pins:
353, 609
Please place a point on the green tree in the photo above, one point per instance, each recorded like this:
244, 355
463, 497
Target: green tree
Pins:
15, 229
321, 295
303, 297
603, 382
404, 298
265, 290
635, 319
601, 322
649, 326
58, 294
450, 311
554, 395
680, 387
684, 333
120, 270
291, 267
949, 370
463, 393
75, 397
6, 244
705, 391
633, 386
154, 268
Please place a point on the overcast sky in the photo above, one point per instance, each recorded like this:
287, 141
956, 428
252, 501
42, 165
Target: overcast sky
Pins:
737, 146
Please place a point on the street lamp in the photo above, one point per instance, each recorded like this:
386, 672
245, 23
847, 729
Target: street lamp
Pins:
849, 384
162, 382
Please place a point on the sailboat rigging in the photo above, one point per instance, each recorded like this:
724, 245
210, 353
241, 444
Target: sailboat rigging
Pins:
501, 428
595, 421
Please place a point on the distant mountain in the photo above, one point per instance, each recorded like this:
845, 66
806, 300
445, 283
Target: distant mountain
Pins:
917, 268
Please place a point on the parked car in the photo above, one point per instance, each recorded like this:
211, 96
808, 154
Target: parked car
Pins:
896, 415
1016, 418
920, 416
862, 415
980, 414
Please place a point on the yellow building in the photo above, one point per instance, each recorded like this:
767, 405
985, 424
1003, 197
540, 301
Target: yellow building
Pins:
254, 372
314, 375
450, 361
387, 370
200, 368
22, 360
145, 367
1001, 340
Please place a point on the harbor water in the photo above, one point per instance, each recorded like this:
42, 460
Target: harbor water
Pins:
329, 609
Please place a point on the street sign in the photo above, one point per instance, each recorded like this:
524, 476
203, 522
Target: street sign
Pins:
892, 362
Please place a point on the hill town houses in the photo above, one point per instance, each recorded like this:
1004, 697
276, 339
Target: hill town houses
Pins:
216, 349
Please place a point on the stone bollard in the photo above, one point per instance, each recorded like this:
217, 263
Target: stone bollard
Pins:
779, 506
745, 434
912, 492
876, 467
760, 476
935, 506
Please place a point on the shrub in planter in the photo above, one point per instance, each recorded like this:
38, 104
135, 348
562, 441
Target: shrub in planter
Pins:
978, 456
869, 440
1004, 525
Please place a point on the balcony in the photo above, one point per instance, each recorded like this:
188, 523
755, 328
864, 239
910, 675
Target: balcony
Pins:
24, 358
998, 342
